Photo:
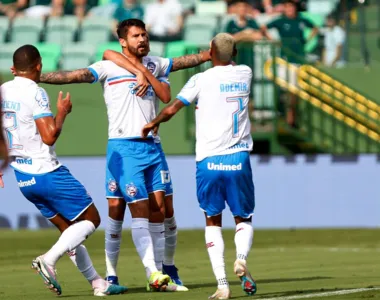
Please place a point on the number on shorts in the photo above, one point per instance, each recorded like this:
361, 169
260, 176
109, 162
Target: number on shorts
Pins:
235, 115
165, 177
10, 128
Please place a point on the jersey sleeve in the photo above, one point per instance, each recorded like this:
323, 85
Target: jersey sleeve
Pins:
273, 24
165, 65
229, 27
308, 23
99, 70
253, 24
41, 105
190, 91
164, 79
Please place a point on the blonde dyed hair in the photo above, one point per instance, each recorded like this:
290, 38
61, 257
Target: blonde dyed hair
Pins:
224, 46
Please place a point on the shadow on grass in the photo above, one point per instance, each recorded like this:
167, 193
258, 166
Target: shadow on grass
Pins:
259, 281
142, 290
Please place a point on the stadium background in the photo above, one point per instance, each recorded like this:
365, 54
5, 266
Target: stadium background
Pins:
321, 174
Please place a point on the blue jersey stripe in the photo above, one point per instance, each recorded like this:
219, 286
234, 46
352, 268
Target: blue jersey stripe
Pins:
42, 116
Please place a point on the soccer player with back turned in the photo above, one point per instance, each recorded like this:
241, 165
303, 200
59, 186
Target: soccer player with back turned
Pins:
31, 131
223, 144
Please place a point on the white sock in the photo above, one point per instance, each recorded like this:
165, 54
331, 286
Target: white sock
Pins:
157, 232
113, 241
215, 248
71, 238
170, 241
81, 259
243, 240
144, 244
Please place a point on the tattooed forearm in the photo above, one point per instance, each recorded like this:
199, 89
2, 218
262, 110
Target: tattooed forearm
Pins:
189, 61
67, 77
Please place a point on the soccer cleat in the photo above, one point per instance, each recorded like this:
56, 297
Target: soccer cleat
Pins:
221, 293
47, 274
248, 284
173, 287
112, 280
112, 289
157, 282
170, 287
172, 271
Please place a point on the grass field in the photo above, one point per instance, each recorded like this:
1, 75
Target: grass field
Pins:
288, 264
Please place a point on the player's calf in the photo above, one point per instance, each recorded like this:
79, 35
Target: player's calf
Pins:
113, 233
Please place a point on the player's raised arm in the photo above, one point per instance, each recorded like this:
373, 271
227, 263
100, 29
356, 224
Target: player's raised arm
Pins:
186, 96
165, 115
68, 77
190, 61
143, 75
50, 128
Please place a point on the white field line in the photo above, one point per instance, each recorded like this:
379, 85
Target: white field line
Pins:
324, 294
311, 249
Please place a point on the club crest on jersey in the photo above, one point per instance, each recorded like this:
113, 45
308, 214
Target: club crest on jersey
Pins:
151, 66
131, 190
112, 186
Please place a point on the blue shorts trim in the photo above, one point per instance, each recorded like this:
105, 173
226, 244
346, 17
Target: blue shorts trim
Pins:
226, 179
57, 192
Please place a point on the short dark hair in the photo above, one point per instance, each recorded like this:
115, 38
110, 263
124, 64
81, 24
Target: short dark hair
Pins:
123, 26
239, 1
26, 58
289, 2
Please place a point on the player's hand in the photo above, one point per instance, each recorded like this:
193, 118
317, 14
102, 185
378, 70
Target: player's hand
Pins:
142, 85
1, 181
148, 128
206, 55
5, 157
64, 105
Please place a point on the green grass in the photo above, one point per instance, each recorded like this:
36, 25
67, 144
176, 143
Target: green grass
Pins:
284, 263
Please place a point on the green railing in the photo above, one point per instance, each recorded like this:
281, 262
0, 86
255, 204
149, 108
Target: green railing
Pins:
330, 116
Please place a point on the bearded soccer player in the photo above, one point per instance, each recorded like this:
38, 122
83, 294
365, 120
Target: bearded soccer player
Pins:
223, 144
32, 131
125, 98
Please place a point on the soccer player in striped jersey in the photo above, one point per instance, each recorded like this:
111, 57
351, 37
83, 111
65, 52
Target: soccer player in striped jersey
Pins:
127, 109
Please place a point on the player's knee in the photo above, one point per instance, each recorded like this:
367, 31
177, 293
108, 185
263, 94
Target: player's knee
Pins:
97, 220
92, 215
116, 209
169, 209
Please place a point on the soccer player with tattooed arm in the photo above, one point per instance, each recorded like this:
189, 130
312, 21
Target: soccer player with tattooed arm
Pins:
31, 132
223, 145
133, 84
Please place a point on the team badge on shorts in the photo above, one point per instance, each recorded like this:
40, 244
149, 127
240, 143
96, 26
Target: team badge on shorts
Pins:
131, 190
151, 66
112, 186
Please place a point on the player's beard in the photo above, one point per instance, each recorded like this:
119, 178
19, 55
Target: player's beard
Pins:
139, 52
